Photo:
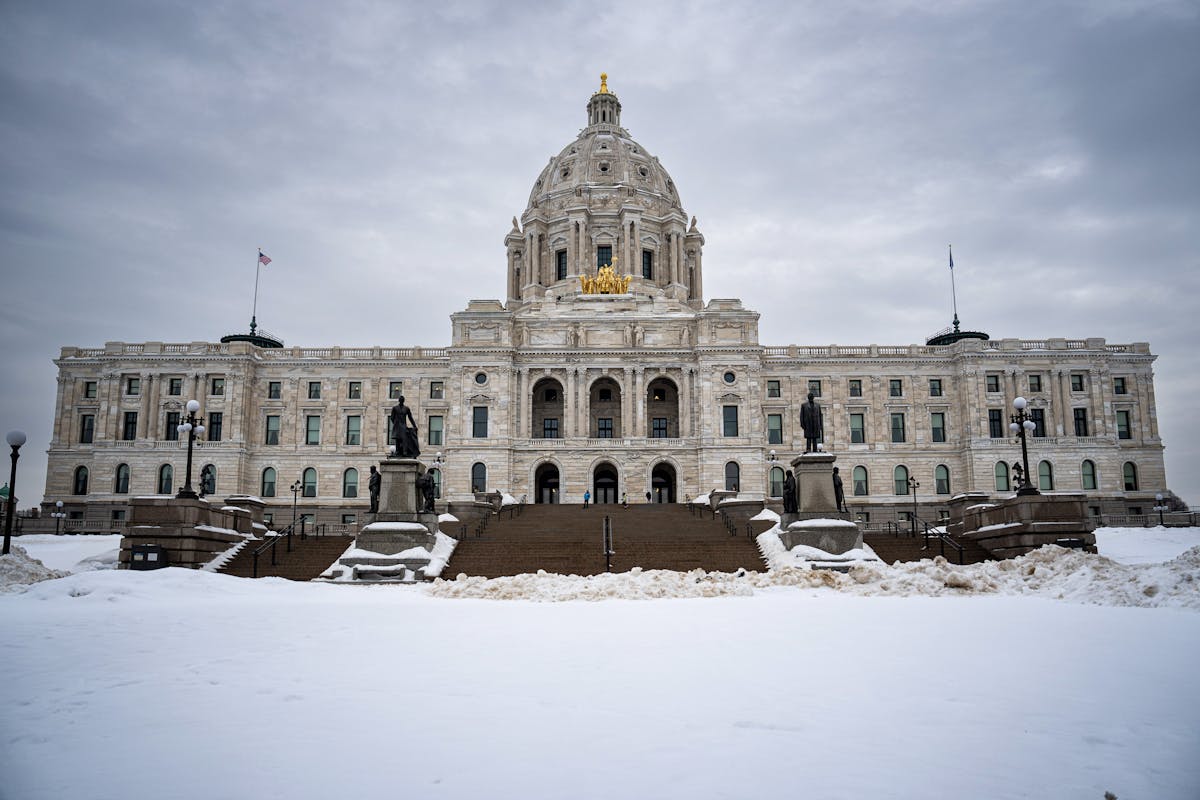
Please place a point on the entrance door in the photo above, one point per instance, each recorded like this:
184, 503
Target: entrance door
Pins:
546, 480
662, 483
604, 481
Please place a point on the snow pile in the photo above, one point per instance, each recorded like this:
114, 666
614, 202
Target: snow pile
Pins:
443, 546
803, 557
700, 500
76, 552
1145, 545
507, 499
766, 514
447, 518
637, 584
18, 570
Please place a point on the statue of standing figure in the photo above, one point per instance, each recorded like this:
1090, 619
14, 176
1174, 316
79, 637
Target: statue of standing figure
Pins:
374, 483
839, 493
426, 488
405, 435
791, 504
811, 422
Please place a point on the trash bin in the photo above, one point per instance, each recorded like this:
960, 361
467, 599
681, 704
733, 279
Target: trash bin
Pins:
148, 556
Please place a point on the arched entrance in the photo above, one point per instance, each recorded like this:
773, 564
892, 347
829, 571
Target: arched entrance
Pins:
662, 483
546, 481
604, 484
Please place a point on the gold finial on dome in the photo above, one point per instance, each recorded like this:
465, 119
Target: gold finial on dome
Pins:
603, 83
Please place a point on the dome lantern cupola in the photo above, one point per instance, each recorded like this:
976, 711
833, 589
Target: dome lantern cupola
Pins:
604, 108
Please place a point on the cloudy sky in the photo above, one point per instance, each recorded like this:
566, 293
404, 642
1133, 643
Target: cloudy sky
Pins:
378, 151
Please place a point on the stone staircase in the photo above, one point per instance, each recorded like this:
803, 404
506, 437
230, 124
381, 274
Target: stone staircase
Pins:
892, 549
309, 558
568, 539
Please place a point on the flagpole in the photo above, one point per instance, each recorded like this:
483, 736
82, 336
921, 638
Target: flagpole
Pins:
254, 311
953, 291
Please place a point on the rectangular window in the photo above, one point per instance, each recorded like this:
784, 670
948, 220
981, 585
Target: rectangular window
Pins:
658, 428
774, 429
604, 428
314, 390
1076, 381
89, 390
348, 519
395, 389
729, 418
354, 390
858, 434
479, 422
937, 426
550, 428
1119, 386
1081, 426
1035, 383
87, 428
354, 429
863, 516
898, 427
435, 430
312, 429
129, 429
1038, 415
996, 423
603, 256
856, 388
1123, 429
437, 390
171, 429
274, 390
118, 515
895, 388
604, 395
648, 264
272, 436
773, 389
216, 421
217, 386
814, 388
993, 382
560, 265
175, 386
133, 386
935, 387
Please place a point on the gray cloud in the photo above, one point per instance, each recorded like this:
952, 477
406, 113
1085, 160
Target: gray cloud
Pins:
378, 151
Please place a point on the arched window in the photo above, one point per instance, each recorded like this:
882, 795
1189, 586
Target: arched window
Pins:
1001, 473
733, 476
166, 479
1088, 474
1045, 476
941, 479
1130, 473
350, 483
268, 482
437, 482
862, 485
309, 481
121, 484
776, 481
478, 477
81, 480
900, 479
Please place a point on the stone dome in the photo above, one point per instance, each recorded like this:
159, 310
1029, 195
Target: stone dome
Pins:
604, 200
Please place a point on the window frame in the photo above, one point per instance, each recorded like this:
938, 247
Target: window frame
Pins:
268, 430
775, 429
274, 390
937, 426
935, 387
354, 390
441, 430
729, 421
861, 430
898, 416
312, 434
314, 390
353, 430
479, 422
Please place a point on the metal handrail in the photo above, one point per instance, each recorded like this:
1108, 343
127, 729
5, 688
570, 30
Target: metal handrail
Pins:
943, 538
271, 544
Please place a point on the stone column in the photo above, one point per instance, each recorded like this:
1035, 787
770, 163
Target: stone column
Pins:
1061, 403
60, 412
639, 402
1148, 403
1096, 391
143, 407
582, 408
627, 400
569, 390
572, 250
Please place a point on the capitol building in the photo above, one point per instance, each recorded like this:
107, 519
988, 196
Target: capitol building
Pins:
605, 369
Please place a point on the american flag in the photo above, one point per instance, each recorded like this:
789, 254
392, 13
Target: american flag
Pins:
263, 259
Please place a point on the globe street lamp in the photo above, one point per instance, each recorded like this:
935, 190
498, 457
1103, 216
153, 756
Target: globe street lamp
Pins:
1021, 426
1160, 508
192, 426
295, 495
15, 439
913, 485
58, 515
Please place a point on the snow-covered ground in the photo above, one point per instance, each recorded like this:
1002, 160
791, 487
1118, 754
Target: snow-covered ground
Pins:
188, 684
1145, 545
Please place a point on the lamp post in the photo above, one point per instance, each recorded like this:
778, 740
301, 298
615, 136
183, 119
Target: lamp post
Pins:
295, 494
15, 439
1160, 508
913, 484
58, 515
1022, 425
438, 460
192, 426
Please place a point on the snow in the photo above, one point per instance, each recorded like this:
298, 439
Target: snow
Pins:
395, 527
447, 518
1057, 674
73, 553
700, 500
507, 499
1145, 545
822, 523
767, 515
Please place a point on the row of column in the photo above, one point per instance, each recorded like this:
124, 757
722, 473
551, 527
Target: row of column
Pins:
633, 386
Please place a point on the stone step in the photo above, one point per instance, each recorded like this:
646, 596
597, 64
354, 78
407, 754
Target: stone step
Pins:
309, 558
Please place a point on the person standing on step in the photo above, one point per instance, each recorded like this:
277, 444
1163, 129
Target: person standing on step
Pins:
624, 500
587, 495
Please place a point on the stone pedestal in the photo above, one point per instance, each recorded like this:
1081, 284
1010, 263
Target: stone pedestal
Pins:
398, 489
1016, 525
398, 527
191, 530
818, 523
